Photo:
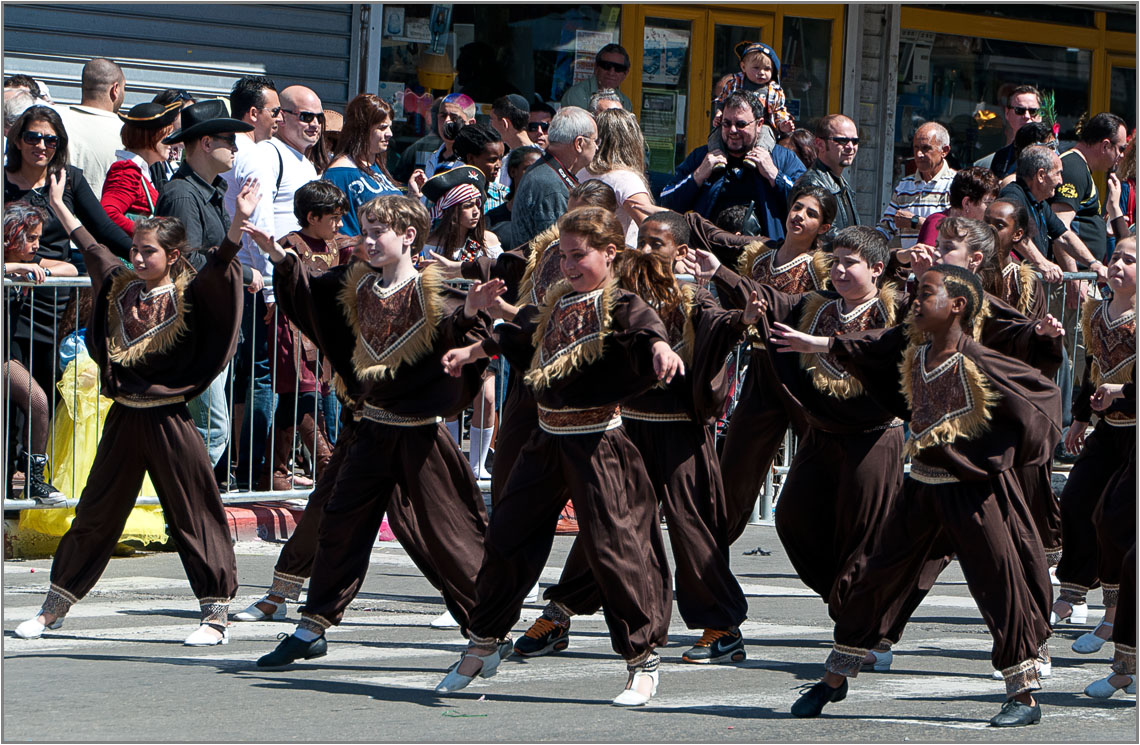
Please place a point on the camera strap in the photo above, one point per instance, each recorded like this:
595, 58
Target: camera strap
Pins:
567, 178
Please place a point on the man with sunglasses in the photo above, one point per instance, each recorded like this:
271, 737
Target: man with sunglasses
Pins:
611, 65
1023, 105
836, 145
541, 114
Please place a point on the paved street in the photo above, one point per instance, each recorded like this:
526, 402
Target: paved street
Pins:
117, 671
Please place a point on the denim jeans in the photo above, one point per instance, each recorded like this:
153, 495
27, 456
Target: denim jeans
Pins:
330, 408
211, 414
252, 362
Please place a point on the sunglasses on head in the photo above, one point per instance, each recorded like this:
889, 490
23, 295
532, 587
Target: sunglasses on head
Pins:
535, 126
307, 117
612, 66
1023, 110
51, 142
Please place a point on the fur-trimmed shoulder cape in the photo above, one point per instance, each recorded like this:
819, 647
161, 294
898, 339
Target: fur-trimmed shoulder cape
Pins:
571, 332
538, 246
393, 326
820, 267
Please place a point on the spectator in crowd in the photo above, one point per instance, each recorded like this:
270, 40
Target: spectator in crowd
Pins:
160, 173
37, 153
836, 145
129, 193
1102, 141
802, 143
358, 168
455, 112
254, 100
541, 199
732, 219
538, 124
92, 123
499, 220
23, 225
1038, 176
416, 155
479, 145
1126, 171
972, 191
1034, 133
611, 65
297, 137
708, 182
923, 192
196, 196
509, 117
605, 98
620, 162
28, 84
330, 137
16, 102
1022, 106
760, 76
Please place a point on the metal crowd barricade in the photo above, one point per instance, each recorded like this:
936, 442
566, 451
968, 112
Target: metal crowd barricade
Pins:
238, 487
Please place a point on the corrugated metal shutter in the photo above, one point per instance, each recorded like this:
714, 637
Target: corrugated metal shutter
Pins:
201, 48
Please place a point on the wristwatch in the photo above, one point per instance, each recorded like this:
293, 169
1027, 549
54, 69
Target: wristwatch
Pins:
914, 221
47, 272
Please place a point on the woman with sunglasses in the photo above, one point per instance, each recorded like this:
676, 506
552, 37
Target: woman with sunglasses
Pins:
129, 192
359, 165
37, 150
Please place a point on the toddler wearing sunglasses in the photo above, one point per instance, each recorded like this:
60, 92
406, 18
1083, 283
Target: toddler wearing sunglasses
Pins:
760, 75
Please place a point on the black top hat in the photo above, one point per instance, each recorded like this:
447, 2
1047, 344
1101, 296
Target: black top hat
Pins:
441, 183
206, 118
152, 115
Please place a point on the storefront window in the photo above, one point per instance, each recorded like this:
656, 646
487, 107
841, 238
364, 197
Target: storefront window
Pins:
492, 50
805, 67
962, 82
1122, 95
664, 94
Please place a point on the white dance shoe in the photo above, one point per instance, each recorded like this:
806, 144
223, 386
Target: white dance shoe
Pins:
33, 629
253, 613
1104, 689
1089, 642
203, 638
454, 681
647, 670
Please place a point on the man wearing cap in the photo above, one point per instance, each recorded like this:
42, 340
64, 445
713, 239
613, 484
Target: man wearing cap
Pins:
611, 65
196, 196
456, 110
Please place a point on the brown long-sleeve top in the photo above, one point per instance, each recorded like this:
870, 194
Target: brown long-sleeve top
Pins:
582, 350
972, 417
1111, 348
703, 334
172, 341
386, 344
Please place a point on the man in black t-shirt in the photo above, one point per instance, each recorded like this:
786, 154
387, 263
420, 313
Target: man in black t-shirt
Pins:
1077, 203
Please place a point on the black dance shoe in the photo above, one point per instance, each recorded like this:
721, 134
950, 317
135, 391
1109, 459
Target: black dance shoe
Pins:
291, 649
819, 695
1016, 714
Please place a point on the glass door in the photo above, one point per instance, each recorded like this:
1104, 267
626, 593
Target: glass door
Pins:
1122, 88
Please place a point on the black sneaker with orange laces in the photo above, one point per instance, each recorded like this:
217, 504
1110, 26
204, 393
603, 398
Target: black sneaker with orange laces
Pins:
543, 637
717, 645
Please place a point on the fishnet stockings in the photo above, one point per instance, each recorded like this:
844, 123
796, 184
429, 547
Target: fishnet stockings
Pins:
25, 393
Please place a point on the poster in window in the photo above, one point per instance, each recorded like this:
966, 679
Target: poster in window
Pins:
659, 126
665, 50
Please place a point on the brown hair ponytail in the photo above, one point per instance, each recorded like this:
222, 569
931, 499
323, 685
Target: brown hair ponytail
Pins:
649, 276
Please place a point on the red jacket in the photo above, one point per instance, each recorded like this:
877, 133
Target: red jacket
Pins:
125, 190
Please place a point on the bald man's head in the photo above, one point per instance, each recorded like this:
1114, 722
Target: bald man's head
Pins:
103, 84
299, 103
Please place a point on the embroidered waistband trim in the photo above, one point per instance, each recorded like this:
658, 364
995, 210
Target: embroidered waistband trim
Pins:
383, 416
930, 474
1113, 421
148, 402
655, 416
579, 421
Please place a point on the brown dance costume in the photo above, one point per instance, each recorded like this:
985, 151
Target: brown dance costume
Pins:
848, 468
155, 351
757, 426
672, 428
1110, 346
973, 420
584, 354
385, 344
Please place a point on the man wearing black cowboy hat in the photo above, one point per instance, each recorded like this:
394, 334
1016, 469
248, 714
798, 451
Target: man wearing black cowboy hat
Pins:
196, 196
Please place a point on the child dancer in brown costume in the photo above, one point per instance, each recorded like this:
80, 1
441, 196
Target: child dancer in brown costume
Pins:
384, 327
159, 336
588, 348
975, 415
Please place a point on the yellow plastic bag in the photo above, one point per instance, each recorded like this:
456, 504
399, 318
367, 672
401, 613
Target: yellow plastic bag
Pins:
75, 434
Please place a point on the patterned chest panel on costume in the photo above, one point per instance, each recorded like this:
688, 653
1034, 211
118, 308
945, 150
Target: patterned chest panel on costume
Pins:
794, 277
388, 317
576, 320
830, 320
674, 322
143, 314
547, 271
938, 396
1112, 345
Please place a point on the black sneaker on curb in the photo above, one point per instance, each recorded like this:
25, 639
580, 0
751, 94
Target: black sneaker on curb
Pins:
37, 487
819, 695
716, 645
291, 649
1016, 714
543, 637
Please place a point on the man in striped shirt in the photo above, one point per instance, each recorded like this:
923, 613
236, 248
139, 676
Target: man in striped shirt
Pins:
924, 192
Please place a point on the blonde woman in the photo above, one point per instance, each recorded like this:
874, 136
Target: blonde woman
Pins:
620, 162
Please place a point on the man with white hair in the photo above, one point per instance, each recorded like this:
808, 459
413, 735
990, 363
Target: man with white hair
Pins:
545, 187
605, 98
924, 192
